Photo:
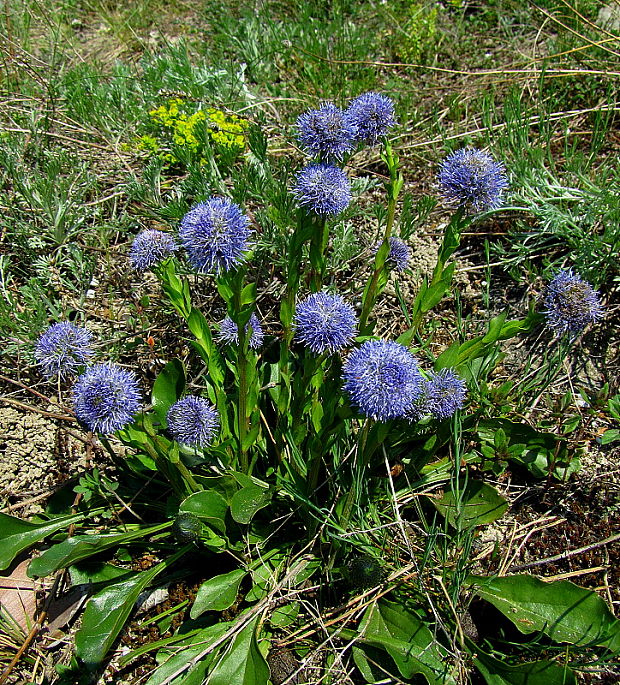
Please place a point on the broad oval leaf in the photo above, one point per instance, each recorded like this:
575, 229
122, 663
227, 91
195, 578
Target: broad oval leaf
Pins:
496, 672
476, 504
247, 501
407, 640
18, 535
218, 593
209, 506
562, 610
168, 388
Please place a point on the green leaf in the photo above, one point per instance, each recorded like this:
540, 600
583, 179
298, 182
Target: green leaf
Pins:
407, 640
243, 664
168, 388
611, 435
433, 294
218, 593
107, 611
527, 446
497, 672
18, 535
562, 610
477, 503
209, 506
495, 328
285, 615
247, 501
93, 572
174, 659
79, 547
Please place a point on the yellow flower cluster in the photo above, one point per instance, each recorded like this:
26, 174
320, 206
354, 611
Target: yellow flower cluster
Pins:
227, 130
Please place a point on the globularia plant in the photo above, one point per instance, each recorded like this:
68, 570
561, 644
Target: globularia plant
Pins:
277, 461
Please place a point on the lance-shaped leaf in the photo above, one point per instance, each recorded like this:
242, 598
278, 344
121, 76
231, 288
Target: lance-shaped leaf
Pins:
18, 535
243, 664
107, 611
562, 610
174, 659
79, 547
168, 388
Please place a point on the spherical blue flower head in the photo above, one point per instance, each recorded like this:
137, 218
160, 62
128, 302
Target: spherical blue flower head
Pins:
443, 393
473, 180
571, 303
149, 248
229, 333
325, 323
215, 235
193, 421
373, 115
323, 189
382, 379
62, 349
399, 254
326, 132
106, 398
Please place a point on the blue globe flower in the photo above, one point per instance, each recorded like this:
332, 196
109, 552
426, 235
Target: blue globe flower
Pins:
106, 398
193, 421
323, 189
325, 323
149, 248
229, 333
382, 379
63, 349
443, 393
327, 132
571, 303
473, 180
215, 235
399, 254
372, 115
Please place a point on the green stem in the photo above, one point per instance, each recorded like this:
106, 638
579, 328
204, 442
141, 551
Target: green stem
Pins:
303, 233
318, 244
378, 279
243, 420
169, 465
431, 292
353, 495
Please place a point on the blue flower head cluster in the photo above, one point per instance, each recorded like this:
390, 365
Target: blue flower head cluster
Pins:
215, 235
472, 180
325, 323
443, 394
327, 132
63, 349
106, 398
323, 189
382, 379
229, 333
193, 421
399, 254
372, 115
149, 248
571, 303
